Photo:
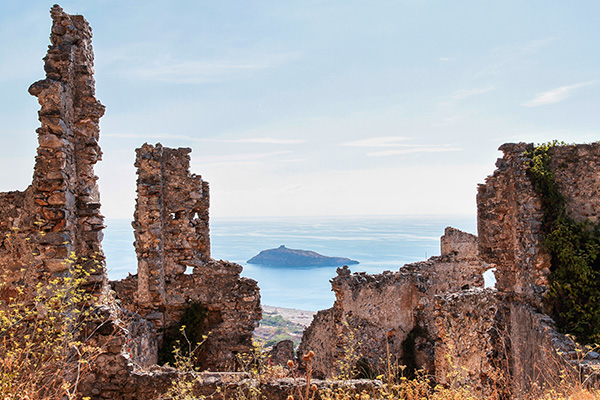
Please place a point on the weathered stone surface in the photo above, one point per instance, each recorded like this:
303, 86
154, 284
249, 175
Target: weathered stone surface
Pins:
436, 310
510, 214
172, 235
58, 217
378, 312
509, 221
282, 352
457, 338
452, 328
47, 222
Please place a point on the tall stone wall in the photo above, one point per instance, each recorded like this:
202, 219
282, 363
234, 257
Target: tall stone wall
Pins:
510, 214
489, 339
457, 339
58, 218
509, 223
170, 220
435, 309
59, 214
174, 264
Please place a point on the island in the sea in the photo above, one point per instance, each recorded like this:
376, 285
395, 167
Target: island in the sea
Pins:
284, 257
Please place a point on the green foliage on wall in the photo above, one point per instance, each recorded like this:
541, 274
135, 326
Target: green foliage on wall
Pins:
573, 298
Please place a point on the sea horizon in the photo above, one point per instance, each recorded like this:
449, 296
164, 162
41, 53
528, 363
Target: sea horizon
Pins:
379, 243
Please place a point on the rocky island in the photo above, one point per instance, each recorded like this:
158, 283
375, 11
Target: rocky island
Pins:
284, 257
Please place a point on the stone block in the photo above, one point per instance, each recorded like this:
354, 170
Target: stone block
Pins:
56, 265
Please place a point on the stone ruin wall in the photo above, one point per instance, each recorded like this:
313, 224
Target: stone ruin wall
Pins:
455, 336
170, 220
172, 239
378, 312
478, 336
59, 213
482, 330
58, 216
510, 214
509, 221
509, 224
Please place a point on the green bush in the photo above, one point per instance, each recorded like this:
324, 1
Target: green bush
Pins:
573, 298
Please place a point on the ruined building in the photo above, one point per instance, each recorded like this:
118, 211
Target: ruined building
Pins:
174, 264
58, 216
436, 315
59, 213
433, 314
377, 313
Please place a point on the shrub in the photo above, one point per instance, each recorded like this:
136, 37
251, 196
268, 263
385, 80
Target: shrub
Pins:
573, 298
43, 354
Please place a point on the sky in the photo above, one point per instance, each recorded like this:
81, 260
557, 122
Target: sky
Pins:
310, 107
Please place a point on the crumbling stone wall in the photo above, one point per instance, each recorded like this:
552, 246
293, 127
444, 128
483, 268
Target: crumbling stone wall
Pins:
58, 217
170, 220
172, 236
509, 223
510, 218
378, 312
59, 214
505, 337
430, 305
459, 332
458, 340
510, 214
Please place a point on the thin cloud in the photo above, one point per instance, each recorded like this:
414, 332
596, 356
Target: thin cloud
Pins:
199, 72
511, 57
293, 160
463, 94
536, 44
384, 141
239, 157
556, 95
265, 140
147, 136
398, 148
412, 150
258, 140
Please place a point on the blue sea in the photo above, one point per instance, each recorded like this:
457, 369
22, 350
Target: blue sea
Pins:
378, 243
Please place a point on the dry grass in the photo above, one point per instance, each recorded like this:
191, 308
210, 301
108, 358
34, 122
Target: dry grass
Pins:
43, 354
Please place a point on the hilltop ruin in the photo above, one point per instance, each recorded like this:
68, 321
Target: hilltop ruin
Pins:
172, 237
433, 314
59, 215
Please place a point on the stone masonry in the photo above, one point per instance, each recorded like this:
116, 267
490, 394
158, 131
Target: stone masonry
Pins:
174, 264
510, 214
491, 339
58, 217
378, 312
432, 314
59, 214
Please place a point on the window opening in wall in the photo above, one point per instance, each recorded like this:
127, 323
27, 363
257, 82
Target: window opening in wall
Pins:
118, 248
489, 278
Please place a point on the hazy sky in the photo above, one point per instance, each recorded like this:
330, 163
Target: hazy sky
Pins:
316, 107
